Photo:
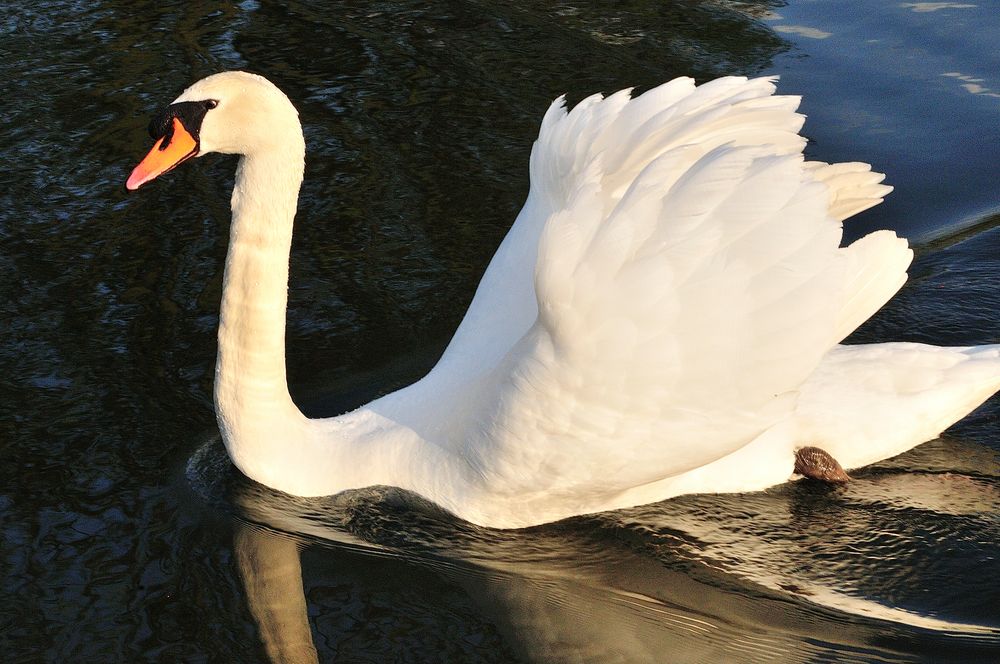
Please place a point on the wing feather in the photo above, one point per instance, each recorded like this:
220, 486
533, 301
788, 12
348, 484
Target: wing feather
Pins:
689, 278
674, 277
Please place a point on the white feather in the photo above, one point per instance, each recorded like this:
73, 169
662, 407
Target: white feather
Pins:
662, 318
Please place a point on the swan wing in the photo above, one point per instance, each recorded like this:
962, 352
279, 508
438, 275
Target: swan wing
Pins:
688, 279
629, 133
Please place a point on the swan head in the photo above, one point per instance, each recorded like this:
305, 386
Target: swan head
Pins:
232, 112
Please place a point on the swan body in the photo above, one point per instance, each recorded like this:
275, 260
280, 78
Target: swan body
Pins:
662, 318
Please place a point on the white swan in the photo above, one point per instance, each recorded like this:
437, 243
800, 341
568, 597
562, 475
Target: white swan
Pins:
662, 318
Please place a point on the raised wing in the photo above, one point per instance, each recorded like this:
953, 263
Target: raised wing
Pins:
688, 279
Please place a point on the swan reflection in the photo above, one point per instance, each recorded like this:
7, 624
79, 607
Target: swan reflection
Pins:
271, 571
797, 573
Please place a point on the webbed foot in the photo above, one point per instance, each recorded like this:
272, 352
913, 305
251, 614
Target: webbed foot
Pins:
819, 465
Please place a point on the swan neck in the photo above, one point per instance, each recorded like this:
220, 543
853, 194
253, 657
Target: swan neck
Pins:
266, 435
251, 390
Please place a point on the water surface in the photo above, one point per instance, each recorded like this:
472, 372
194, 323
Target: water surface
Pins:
128, 537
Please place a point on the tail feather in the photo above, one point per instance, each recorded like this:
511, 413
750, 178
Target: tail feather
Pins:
869, 402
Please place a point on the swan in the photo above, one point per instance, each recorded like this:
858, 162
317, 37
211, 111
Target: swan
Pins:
663, 317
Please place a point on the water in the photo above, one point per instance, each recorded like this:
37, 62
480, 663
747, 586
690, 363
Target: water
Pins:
127, 536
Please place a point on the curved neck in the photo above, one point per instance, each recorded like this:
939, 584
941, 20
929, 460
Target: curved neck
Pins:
251, 392
266, 435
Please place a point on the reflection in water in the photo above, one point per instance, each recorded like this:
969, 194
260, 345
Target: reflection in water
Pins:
272, 577
798, 573
588, 607
922, 7
972, 84
802, 30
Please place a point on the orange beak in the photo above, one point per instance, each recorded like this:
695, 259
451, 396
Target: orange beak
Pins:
163, 157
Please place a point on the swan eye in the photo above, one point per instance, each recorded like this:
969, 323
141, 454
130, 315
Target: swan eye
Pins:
210, 103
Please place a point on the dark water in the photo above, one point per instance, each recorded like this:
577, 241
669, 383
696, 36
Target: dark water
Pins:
127, 537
